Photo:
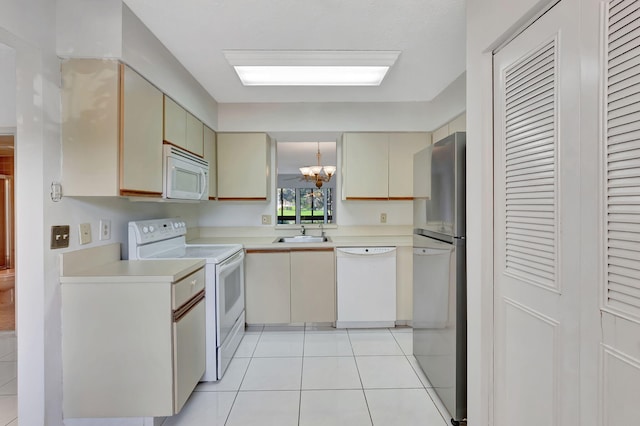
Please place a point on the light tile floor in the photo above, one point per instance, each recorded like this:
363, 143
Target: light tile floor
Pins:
8, 387
318, 377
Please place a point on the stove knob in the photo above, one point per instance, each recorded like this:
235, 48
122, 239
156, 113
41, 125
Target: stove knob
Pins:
151, 228
145, 229
184, 225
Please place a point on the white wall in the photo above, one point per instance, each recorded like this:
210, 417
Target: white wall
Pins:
307, 120
489, 22
345, 117
7, 88
109, 29
27, 28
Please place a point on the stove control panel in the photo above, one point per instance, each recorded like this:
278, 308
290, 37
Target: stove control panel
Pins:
154, 230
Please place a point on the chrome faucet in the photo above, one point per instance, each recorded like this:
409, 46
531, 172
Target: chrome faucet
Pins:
303, 231
321, 230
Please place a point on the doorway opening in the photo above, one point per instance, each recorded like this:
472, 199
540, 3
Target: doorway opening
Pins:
7, 233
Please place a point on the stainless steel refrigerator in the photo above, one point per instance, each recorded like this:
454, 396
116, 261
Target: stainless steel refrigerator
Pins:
439, 271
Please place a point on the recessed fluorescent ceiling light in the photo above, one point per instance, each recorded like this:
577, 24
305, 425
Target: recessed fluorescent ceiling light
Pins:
311, 68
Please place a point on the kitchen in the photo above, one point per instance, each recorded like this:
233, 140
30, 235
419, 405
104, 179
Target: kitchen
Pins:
35, 39
119, 211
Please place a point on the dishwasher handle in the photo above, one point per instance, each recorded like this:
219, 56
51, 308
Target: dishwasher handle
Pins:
365, 251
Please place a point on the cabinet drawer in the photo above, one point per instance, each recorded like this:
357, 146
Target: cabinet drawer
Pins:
186, 288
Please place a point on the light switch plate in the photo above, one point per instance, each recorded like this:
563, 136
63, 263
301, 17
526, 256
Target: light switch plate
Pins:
383, 218
84, 230
59, 236
266, 219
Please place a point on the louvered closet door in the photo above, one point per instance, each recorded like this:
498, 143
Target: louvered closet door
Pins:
536, 229
620, 349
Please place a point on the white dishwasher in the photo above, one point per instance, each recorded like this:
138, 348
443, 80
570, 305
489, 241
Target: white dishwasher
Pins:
366, 283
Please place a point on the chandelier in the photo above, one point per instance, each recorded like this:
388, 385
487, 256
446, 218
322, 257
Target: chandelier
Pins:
318, 173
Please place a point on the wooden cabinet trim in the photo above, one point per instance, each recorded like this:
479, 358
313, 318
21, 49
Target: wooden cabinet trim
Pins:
369, 198
311, 249
242, 199
254, 251
136, 193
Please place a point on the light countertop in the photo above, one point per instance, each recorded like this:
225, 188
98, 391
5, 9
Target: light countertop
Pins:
264, 242
127, 271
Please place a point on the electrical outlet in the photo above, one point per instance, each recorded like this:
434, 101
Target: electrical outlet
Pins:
59, 236
84, 229
105, 229
266, 219
383, 218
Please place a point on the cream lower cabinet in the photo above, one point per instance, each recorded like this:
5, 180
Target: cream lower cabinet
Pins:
285, 286
313, 286
131, 347
267, 287
111, 130
404, 283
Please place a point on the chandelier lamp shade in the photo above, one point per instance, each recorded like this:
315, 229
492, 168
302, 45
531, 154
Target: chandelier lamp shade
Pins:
318, 173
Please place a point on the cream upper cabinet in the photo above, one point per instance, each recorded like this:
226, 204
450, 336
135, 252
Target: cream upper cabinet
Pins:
458, 124
313, 285
243, 166
175, 123
209, 151
379, 166
141, 158
365, 170
111, 130
194, 138
402, 147
267, 287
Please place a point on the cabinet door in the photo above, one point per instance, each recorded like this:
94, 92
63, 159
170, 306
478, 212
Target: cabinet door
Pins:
402, 147
243, 166
209, 151
188, 354
440, 133
175, 123
89, 129
313, 286
267, 287
195, 131
458, 124
365, 166
141, 136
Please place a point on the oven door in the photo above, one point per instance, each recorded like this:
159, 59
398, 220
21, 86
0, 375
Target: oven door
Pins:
185, 180
230, 293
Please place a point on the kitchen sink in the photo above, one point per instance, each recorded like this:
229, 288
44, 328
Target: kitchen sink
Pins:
302, 239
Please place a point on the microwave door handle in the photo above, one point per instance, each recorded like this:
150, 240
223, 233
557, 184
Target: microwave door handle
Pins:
203, 179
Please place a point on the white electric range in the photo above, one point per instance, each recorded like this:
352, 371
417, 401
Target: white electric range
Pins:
224, 283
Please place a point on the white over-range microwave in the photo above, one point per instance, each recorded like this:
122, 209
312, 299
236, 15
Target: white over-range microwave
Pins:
185, 175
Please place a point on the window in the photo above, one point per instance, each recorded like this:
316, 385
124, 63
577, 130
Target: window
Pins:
305, 205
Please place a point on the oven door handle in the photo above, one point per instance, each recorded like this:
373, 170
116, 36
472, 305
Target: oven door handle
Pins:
232, 262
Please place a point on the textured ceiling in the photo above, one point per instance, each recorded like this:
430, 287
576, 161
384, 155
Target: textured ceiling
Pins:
430, 34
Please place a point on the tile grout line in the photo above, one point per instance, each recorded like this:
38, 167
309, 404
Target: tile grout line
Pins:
364, 394
304, 340
235, 398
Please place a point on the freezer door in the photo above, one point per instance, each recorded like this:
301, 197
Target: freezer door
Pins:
445, 207
439, 318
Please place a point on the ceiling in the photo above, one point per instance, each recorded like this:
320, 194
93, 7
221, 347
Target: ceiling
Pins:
429, 33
